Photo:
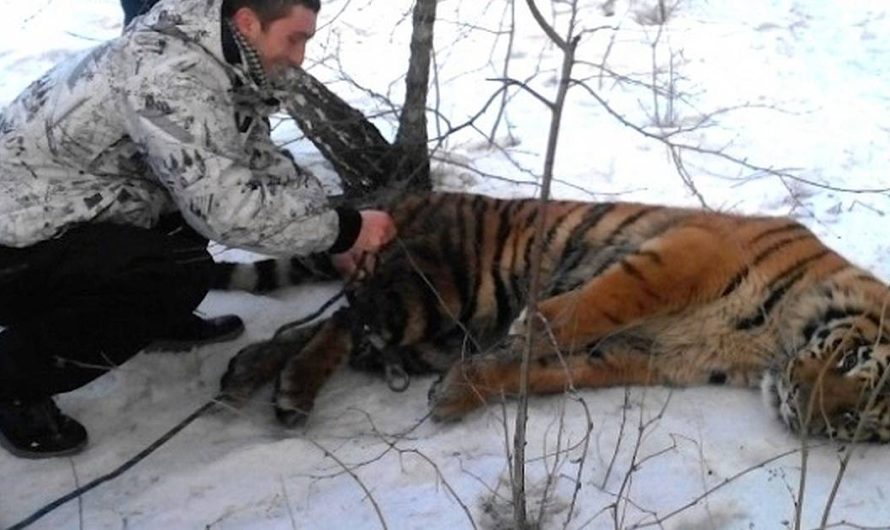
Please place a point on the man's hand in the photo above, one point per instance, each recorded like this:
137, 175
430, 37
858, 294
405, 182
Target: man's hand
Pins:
377, 230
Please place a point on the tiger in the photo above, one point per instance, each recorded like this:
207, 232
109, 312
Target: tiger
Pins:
629, 294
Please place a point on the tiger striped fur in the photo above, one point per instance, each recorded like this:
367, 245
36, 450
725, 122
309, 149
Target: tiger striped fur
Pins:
632, 294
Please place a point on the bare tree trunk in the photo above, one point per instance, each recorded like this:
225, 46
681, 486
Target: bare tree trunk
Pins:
411, 139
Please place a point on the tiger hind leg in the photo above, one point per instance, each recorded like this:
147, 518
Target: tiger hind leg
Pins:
659, 277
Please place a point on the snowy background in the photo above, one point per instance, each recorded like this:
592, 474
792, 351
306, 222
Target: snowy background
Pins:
797, 87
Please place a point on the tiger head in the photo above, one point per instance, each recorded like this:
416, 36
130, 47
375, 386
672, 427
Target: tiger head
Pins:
836, 385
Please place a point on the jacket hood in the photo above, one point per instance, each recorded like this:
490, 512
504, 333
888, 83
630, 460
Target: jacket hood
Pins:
196, 21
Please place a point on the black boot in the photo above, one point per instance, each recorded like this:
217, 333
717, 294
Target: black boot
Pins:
196, 331
37, 429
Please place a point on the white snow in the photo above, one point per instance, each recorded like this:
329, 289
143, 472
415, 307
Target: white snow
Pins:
806, 84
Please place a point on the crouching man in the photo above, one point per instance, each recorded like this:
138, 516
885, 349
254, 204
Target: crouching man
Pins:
117, 167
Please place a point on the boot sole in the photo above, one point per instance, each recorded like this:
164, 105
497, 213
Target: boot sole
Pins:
38, 455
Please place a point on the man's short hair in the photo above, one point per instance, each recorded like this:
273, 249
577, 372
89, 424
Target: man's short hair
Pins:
268, 11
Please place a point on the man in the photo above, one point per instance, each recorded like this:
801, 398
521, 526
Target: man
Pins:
115, 170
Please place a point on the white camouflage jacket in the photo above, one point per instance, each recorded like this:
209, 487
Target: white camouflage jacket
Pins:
153, 121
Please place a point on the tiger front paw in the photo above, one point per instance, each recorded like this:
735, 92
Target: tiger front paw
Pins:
292, 413
295, 394
456, 393
250, 369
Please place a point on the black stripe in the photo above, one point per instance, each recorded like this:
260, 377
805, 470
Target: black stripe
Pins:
502, 297
868, 278
428, 204
875, 320
787, 278
735, 281
777, 246
468, 251
572, 250
515, 284
436, 200
612, 318
837, 313
320, 266
631, 270
629, 221
790, 227
652, 256
516, 241
478, 208
425, 253
458, 265
588, 223
298, 272
764, 254
559, 221
798, 265
504, 309
717, 378
503, 232
827, 318
514, 274
531, 218
759, 318
221, 277
609, 241
555, 226
396, 317
267, 275
431, 307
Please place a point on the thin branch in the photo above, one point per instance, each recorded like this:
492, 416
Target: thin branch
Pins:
725, 482
547, 28
356, 478
848, 451
720, 154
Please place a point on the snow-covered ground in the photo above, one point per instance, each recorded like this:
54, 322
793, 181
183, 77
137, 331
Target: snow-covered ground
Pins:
794, 86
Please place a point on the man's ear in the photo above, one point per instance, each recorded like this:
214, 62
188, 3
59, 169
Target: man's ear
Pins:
247, 23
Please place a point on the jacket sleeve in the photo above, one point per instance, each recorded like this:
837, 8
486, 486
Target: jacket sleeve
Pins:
233, 188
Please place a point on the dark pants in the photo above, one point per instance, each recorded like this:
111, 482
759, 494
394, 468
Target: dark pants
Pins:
134, 8
78, 305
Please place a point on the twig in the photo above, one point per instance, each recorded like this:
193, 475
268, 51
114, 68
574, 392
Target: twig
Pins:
79, 499
802, 480
845, 461
356, 478
721, 485
624, 408
447, 485
552, 472
854, 526
634, 466
581, 462
506, 70
290, 511
720, 154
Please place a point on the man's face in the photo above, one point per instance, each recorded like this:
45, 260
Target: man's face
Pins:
282, 43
